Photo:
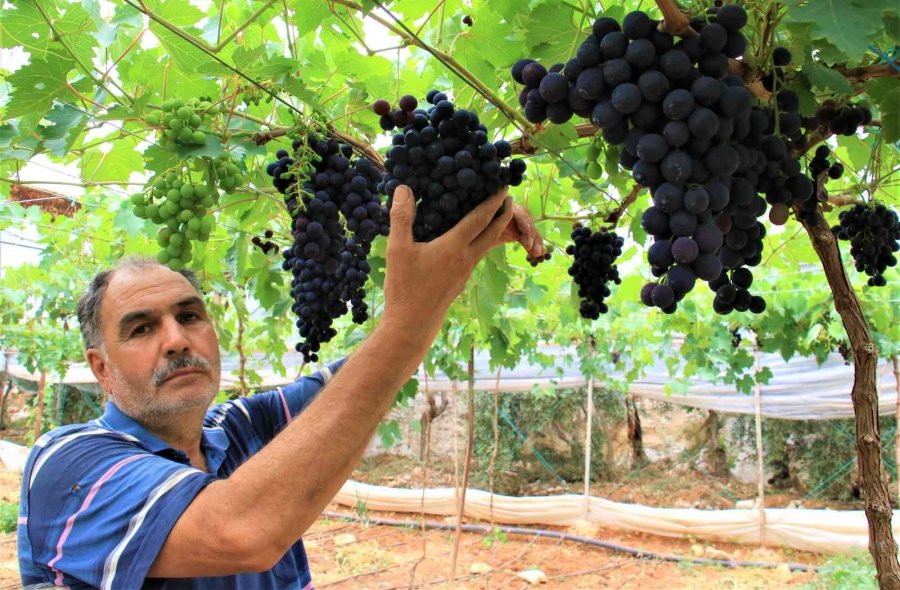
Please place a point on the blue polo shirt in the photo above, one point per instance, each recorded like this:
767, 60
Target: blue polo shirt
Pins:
99, 499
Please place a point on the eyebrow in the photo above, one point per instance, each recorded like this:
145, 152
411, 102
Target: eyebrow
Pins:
133, 317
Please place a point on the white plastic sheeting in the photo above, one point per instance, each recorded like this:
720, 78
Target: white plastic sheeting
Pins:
820, 531
799, 390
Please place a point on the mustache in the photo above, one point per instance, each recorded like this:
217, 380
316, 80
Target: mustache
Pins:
176, 364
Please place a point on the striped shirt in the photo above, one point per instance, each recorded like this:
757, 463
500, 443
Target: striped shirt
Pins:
99, 499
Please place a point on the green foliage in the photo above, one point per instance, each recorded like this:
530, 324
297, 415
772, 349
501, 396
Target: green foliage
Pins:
846, 572
821, 452
9, 516
542, 425
92, 94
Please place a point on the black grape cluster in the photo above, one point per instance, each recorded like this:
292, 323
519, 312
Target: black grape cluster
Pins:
181, 205
841, 120
444, 156
181, 121
594, 267
327, 258
265, 244
874, 235
820, 170
690, 132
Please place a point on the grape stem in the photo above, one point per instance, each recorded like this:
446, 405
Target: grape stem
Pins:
674, 21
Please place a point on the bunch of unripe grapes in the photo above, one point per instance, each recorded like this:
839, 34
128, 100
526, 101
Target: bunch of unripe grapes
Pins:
594, 267
181, 205
181, 122
874, 235
265, 244
443, 154
594, 150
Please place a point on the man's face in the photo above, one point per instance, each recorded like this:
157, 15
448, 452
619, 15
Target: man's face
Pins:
162, 353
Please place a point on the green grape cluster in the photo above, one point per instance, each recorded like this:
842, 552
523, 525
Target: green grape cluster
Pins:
594, 167
182, 206
181, 122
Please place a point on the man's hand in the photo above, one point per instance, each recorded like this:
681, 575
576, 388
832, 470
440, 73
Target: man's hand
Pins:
521, 229
423, 278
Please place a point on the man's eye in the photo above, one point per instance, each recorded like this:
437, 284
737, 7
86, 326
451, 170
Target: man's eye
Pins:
191, 316
142, 329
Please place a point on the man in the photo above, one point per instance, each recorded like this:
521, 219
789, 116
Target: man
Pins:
161, 492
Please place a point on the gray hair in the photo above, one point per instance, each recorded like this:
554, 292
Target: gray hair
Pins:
89, 304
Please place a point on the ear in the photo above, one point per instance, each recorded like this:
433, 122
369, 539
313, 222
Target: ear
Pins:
99, 367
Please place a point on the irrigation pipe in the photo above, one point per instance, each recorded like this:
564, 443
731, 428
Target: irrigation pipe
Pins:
514, 530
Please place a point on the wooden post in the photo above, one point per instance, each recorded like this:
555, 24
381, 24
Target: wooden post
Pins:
468, 465
761, 487
587, 445
38, 415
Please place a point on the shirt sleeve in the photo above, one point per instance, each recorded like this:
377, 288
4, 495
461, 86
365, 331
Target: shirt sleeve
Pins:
101, 507
269, 412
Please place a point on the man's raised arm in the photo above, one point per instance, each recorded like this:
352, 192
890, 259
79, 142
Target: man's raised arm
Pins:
249, 521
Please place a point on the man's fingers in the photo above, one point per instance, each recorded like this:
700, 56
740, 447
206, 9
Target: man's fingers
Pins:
490, 237
403, 212
474, 223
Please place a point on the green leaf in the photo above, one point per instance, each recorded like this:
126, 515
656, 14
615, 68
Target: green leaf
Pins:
847, 25
548, 31
886, 94
211, 149
116, 164
827, 79
556, 137
77, 28
37, 85
309, 15
67, 123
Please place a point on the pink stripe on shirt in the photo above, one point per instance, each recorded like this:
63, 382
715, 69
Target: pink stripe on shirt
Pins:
84, 506
287, 411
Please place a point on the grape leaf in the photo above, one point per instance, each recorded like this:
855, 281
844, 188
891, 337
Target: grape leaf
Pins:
309, 15
886, 94
67, 125
827, 79
36, 85
847, 25
548, 30
113, 165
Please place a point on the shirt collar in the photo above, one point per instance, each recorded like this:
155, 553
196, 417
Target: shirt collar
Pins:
213, 441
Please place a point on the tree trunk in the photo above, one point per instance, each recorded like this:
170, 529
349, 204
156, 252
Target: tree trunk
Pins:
718, 463
635, 432
39, 412
873, 478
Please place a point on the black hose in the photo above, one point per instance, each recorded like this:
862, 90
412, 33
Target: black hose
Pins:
639, 553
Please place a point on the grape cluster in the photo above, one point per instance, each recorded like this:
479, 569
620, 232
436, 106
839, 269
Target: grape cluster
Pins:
321, 183
690, 132
594, 168
820, 170
444, 156
841, 120
594, 267
736, 338
181, 205
181, 122
874, 235
265, 244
